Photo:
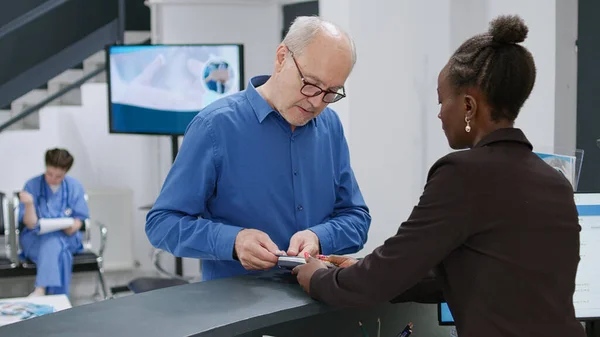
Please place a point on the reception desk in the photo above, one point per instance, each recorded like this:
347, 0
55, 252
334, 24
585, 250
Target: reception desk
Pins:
254, 305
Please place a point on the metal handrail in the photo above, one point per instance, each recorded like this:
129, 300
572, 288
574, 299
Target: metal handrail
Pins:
51, 98
30, 16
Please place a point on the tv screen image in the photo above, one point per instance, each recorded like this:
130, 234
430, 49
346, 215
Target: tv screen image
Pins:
158, 89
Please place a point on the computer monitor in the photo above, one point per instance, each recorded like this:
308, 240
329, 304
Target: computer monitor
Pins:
587, 289
586, 298
158, 89
444, 314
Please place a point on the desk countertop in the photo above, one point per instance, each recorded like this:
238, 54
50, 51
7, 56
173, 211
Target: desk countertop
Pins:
224, 307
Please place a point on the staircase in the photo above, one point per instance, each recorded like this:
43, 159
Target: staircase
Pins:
59, 82
51, 46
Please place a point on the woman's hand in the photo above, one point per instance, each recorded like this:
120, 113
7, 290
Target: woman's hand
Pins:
340, 261
26, 198
305, 272
77, 223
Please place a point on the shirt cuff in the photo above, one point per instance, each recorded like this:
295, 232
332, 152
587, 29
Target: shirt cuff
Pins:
325, 241
225, 241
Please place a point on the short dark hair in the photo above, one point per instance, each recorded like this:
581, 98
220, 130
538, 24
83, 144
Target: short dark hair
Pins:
495, 63
60, 158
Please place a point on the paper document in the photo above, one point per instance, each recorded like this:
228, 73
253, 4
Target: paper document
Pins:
13, 310
52, 225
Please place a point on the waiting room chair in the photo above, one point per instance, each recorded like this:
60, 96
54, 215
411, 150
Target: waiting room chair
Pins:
86, 261
8, 257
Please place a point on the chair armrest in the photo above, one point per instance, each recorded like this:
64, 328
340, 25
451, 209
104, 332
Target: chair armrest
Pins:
13, 231
103, 235
156, 262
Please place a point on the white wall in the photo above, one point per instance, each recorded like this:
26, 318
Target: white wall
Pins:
23, 151
394, 133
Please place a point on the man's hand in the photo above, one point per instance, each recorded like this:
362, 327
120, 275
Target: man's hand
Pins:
305, 241
256, 250
305, 272
26, 198
73, 229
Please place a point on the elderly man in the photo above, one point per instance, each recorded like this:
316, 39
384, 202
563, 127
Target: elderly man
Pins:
267, 171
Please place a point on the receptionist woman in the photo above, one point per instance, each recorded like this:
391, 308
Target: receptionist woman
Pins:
52, 194
497, 223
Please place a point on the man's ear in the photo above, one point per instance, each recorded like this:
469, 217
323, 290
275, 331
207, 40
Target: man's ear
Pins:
280, 56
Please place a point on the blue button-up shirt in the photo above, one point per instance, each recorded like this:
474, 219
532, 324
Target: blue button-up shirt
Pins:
241, 166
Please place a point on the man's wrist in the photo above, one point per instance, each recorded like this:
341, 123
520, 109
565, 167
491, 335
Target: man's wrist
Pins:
234, 254
318, 240
322, 234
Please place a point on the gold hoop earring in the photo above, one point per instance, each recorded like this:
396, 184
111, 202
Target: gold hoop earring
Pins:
468, 127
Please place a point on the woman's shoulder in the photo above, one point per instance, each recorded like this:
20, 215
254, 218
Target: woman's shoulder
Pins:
33, 184
468, 167
455, 161
73, 183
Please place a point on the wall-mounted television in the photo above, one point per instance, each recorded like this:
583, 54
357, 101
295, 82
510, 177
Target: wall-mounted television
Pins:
158, 89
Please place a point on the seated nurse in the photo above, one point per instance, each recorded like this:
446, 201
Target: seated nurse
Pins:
52, 195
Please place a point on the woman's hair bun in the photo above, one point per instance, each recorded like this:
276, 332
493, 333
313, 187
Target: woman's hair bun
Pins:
508, 29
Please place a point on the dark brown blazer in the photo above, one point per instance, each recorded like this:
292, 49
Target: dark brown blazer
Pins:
500, 228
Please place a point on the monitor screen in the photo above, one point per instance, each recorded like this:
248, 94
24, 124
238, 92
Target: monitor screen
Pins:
444, 314
158, 89
587, 284
586, 298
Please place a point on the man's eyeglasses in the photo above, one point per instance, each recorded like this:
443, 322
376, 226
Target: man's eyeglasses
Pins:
311, 90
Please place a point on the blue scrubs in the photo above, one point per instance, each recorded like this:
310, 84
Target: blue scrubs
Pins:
53, 252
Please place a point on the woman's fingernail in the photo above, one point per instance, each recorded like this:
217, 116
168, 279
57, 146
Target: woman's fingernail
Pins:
306, 255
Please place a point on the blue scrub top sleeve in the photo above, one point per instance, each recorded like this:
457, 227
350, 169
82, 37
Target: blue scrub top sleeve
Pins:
34, 192
77, 203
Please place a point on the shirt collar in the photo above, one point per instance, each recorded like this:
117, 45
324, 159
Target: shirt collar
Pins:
505, 135
260, 106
